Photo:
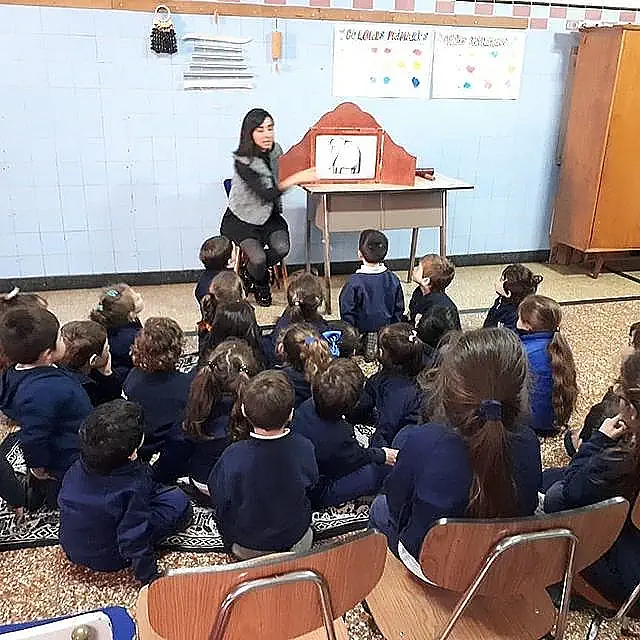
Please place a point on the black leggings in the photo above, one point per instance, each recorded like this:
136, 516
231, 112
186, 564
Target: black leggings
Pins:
259, 258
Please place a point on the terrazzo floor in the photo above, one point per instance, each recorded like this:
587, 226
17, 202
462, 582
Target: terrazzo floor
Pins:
41, 583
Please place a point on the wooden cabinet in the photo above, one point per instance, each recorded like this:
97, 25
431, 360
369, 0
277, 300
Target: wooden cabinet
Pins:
597, 208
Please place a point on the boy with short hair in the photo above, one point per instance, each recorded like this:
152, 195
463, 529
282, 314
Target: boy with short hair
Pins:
47, 402
433, 274
372, 298
111, 511
215, 255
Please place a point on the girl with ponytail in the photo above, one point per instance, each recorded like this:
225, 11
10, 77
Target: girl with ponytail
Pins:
213, 392
478, 459
554, 392
305, 354
607, 465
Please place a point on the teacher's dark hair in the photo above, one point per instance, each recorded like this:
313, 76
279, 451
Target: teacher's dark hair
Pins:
247, 147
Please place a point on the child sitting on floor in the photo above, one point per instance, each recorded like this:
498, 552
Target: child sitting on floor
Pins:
87, 355
213, 393
607, 465
161, 390
554, 392
215, 254
515, 284
305, 296
347, 470
344, 340
225, 287
434, 324
233, 320
305, 354
260, 486
111, 511
117, 311
46, 401
433, 275
392, 398
372, 298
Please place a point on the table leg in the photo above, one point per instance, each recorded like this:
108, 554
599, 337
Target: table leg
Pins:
412, 253
327, 256
443, 228
311, 201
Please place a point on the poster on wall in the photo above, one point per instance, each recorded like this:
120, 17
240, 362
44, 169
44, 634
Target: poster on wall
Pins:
481, 64
380, 61
346, 157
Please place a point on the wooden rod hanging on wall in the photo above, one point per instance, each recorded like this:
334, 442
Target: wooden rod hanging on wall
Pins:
287, 12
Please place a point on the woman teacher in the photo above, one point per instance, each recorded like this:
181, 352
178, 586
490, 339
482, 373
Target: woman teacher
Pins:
253, 219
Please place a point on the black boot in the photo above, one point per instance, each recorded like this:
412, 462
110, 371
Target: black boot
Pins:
262, 293
248, 282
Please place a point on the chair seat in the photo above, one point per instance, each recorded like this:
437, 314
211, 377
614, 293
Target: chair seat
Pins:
405, 607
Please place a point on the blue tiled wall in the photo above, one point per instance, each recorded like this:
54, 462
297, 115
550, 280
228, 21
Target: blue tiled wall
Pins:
107, 165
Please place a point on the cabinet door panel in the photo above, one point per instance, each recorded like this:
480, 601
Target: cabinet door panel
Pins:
617, 223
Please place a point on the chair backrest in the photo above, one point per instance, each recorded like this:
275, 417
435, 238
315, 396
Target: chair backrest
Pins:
635, 513
227, 186
184, 604
454, 550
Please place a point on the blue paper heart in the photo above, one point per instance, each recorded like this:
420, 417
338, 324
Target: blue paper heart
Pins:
415, 82
467, 85
386, 80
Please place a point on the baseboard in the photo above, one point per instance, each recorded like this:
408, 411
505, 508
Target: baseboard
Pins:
91, 281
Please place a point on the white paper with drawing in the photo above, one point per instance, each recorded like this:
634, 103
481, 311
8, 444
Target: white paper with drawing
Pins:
478, 64
348, 157
381, 61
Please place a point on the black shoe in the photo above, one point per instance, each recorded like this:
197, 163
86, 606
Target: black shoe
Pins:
248, 282
262, 293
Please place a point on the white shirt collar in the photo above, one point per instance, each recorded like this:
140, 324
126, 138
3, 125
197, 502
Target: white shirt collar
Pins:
372, 269
25, 367
259, 436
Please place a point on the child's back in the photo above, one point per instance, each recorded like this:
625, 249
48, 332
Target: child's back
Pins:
215, 254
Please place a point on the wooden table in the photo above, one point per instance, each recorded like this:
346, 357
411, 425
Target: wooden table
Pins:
347, 206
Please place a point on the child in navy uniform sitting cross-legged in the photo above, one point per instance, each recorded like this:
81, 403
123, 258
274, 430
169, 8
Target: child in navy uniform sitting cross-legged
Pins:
304, 354
161, 390
111, 511
392, 398
88, 357
260, 486
117, 311
215, 254
217, 385
433, 275
372, 297
515, 284
46, 401
347, 470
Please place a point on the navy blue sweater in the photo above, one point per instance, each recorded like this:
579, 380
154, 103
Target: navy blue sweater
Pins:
369, 301
537, 347
502, 314
163, 398
390, 402
120, 342
49, 404
590, 478
301, 387
421, 303
204, 281
203, 454
260, 491
432, 479
337, 450
105, 520
99, 388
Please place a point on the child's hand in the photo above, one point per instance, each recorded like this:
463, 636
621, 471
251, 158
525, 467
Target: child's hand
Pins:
106, 369
41, 474
390, 455
614, 427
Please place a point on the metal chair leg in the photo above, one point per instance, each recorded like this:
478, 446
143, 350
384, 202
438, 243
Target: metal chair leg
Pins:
224, 612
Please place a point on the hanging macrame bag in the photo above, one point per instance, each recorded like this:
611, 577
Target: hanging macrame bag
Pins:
163, 35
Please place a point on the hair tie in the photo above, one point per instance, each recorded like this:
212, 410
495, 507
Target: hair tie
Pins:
99, 307
12, 294
556, 330
413, 336
309, 340
333, 338
112, 293
490, 410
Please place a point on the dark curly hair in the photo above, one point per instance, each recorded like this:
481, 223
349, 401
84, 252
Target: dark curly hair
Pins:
158, 346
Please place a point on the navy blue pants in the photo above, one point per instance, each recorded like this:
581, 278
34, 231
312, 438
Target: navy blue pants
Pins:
170, 513
365, 481
380, 519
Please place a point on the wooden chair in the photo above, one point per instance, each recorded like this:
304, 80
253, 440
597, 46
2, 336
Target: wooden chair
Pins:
280, 275
584, 589
275, 597
495, 572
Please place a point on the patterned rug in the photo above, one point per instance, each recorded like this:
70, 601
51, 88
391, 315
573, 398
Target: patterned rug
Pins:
40, 528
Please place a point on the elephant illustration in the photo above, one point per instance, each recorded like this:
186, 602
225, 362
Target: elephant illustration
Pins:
346, 156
